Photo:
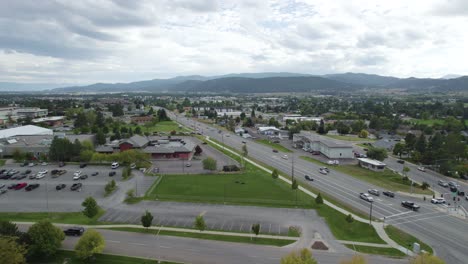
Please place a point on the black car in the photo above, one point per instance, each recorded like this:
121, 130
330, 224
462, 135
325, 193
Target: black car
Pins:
401, 161
20, 177
61, 164
74, 231
112, 173
453, 189
76, 186
95, 173
410, 205
31, 187
389, 194
461, 193
84, 176
307, 177
82, 165
60, 187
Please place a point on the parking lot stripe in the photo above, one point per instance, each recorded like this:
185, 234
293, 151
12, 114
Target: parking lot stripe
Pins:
240, 229
224, 221
269, 229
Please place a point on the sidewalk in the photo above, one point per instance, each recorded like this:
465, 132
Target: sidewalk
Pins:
378, 226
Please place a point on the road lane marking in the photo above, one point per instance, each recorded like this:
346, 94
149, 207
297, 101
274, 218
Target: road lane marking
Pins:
402, 213
138, 244
113, 241
164, 247
202, 213
419, 219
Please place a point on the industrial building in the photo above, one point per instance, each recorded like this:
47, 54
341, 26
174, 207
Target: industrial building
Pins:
330, 148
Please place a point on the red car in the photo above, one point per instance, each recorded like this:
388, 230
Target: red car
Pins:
20, 186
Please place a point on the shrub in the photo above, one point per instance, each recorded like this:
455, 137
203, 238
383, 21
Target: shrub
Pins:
349, 218
319, 199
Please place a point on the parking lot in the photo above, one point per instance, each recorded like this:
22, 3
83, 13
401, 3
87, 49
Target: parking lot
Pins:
46, 197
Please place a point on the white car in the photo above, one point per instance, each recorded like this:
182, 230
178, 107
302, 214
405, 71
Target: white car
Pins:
421, 169
333, 162
44, 163
115, 165
438, 200
40, 176
285, 157
77, 173
43, 172
323, 171
2, 186
366, 197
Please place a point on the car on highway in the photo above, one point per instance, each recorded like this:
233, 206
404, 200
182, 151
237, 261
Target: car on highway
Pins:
366, 197
374, 192
112, 173
275, 150
20, 186
421, 169
74, 231
78, 172
438, 200
442, 183
401, 161
114, 165
307, 177
323, 171
285, 157
60, 186
410, 205
95, 173
31, 187
76, 187
389, 194
188, 164
40, 176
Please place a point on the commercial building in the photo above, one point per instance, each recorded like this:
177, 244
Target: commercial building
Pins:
28, 130
32, 112
330, 148
141, 119
36, 145
52, 121
270, 131
371, 164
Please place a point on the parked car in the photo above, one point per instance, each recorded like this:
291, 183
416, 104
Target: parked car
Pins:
20, 177
438, 200
453, 189
374, 192
307, 177
74, 231
32, 176
285, 157
84, 176
315, 152
31, 187
61, 164
32, 164
188, 164
40, 176
43, 172
20, 186
389, 194
82, 165
442, 183
77, 173
401, 161
95, 173
461, 193
366, 197
76, 187
2, 191
275, 150
410, 205
421, 169
111, 173
2, 186
114, 165
132, 166
44, 163
60, 187
12, 186
333, 162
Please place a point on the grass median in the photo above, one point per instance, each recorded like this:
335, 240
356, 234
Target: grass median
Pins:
54, 217
69, 257
391, 252
405, 240
273, 145
200, 235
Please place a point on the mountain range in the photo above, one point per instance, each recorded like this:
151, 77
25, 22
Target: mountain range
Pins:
271, 82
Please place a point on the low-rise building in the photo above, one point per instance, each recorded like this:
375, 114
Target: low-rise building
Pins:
32, 112
371, 164
170, 148
52, 121
34, 144
141, 119
330, 148
28, 130
270, 131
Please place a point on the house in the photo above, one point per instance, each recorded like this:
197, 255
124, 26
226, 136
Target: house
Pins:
170, 148
330, 148
28, 130
141, 119
135, 142
371, 164
239, 131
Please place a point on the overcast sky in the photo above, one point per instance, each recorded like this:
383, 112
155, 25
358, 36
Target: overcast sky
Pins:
87, 41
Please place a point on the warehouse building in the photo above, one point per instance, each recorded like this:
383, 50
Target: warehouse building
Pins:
330, 148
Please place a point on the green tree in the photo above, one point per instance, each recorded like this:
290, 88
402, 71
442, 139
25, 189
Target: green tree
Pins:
349, 218
426, 258
209, 164
294, 184
319, 199
252, 114
377, 153
90, 243
110, 187
11, 252
421, 144
18, 156
399, 149
363, 134
242, 116
245, 151
200, 223
8, 228
355, 259
91, 208
321, 128
146, 219
100, 137
304, 256
256, 229
45, 239
406, 169
86, 155
274, 174
130, 194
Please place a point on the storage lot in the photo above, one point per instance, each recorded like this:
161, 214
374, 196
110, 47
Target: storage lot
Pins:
46, 197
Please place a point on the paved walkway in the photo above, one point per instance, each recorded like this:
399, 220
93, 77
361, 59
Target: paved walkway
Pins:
378, 226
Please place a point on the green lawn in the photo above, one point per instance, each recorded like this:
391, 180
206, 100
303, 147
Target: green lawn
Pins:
391, 252
54, 217
163, 126
349, 138
430, 122
69, 256
387, 179
318, 162
273, 145
236, 239
2, 162
404, 239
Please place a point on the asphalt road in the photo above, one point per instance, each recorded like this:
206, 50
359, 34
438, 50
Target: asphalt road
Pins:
446, 234
196, 251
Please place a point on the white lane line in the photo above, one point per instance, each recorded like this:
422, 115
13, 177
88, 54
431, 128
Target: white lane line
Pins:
113, 241
402, 213
415, 216
164, 247
193, 250
138, 244
420, 219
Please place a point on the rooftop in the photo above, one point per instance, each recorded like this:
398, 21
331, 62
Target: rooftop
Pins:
27, 130
372, 162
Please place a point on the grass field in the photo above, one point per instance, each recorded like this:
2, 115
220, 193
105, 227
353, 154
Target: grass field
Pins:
386, 179
276, 146
318, 162
163, 126
66, 256
349, 138
64, 218
236, 239
404, 239
2, 162
391, 252
430, 122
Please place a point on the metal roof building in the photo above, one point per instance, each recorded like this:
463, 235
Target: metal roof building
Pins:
29, 130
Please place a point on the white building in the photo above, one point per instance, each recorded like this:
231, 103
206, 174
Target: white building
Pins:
371, 164
330, 148
298, 118
28, 130
268, 130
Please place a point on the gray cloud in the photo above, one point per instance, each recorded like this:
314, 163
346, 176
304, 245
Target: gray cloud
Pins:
197, 6
370, 60
451, 8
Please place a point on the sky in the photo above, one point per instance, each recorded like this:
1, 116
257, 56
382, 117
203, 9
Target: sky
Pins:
89, 41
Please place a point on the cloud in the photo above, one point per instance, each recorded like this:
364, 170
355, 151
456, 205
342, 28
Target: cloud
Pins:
451, 8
